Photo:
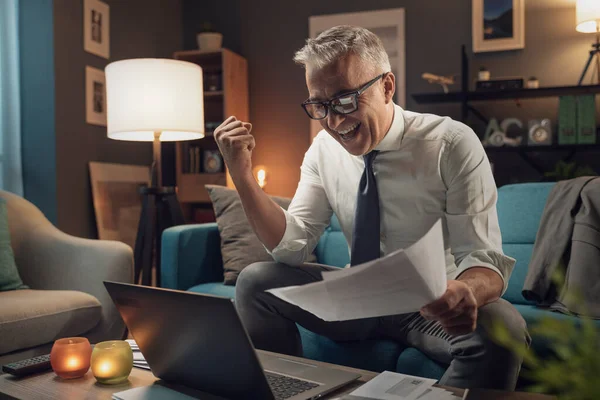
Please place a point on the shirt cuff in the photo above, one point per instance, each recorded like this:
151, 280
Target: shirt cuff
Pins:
292, 247
494, 260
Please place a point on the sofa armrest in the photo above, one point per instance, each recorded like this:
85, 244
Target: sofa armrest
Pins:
190, 255
49, 259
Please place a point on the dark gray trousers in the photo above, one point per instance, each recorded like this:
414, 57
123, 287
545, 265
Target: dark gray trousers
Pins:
474, 360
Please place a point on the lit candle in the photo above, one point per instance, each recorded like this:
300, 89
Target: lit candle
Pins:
70, 357
112, 361
260, 174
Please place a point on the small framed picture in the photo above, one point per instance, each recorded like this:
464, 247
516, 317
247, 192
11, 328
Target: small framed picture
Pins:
95, 96
212, 161
96, 28
498, 25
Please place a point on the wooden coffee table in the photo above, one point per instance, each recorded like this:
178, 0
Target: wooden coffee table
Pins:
48, 386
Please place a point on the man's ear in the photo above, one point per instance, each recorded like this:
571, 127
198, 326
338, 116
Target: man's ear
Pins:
389, 86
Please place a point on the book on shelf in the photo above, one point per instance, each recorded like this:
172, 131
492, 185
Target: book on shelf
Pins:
567, 120
193, 164
586, 119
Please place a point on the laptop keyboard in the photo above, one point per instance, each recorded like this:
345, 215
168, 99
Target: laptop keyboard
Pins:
284, 387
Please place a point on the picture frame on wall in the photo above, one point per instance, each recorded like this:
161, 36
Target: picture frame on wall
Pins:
117, 199
96, 28
95, 96
498, 25
388, 25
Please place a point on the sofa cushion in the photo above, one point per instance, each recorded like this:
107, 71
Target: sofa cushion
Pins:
239, 245
520, 209
332, 248
9, 275
521, 253
533, 315
31, 318
217, 289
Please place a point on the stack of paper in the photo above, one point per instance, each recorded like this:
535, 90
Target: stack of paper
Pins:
401, 282
394, 386
138, 358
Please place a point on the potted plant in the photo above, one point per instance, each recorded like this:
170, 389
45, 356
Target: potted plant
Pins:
209, 39
572, 368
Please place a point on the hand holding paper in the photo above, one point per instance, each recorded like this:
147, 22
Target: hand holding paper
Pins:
401, 282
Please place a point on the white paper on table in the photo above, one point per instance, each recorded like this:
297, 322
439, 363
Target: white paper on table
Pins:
394, 386
401, 282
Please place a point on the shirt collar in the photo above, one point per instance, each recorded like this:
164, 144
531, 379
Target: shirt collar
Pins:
393, 137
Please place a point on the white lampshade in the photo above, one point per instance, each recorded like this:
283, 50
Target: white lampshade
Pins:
149, 95
588, 16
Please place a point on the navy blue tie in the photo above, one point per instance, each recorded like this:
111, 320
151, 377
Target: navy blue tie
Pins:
365, 235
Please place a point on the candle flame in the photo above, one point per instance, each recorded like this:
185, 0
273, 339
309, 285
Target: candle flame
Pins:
261, 177
72, 363
105, 367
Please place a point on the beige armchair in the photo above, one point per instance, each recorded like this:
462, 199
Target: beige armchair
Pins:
64, 274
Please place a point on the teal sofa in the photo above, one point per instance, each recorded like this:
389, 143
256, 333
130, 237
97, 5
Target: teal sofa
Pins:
191, 260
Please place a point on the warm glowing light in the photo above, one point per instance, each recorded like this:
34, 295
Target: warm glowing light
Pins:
261, 176
112, 361
588, 16
70, 357
105, 367
260, 173
72, 363
147, 95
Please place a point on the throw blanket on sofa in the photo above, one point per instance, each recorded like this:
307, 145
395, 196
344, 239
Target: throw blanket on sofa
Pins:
569, 234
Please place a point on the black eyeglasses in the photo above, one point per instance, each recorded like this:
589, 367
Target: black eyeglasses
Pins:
343, 104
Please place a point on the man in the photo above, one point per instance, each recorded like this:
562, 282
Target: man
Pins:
388, 175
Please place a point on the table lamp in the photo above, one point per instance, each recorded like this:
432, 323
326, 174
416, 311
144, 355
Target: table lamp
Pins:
588, 21
154, 100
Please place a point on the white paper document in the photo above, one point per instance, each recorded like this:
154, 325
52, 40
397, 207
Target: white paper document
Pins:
138, 358
394, 386
401, 282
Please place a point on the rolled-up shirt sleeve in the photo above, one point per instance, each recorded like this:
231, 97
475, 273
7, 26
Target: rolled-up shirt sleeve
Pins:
308, 215
471, 216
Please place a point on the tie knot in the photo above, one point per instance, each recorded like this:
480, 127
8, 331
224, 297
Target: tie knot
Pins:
370, 157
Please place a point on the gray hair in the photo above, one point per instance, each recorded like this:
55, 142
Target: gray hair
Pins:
336, 42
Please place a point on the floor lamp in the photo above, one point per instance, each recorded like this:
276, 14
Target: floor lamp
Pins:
154, 100
588, 21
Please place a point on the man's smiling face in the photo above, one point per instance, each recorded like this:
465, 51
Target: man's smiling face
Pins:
358, 132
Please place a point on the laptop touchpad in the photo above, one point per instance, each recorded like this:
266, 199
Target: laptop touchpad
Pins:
285, 366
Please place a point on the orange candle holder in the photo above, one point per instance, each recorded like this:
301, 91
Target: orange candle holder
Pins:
70, 357
112, 361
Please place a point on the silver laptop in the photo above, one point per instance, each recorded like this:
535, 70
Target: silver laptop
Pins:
198, 341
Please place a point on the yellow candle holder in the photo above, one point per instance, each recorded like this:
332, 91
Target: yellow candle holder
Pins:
70, 357
112, 361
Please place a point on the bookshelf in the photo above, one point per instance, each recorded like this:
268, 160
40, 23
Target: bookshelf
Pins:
225, 94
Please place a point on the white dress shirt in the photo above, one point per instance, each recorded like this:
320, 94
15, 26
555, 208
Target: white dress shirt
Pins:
429, 167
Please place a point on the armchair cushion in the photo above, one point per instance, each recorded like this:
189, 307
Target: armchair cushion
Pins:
239, 245
31, 318
9, 275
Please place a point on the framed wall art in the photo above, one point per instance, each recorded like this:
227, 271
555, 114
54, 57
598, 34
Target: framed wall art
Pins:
117, 200
96, 28
95, 96
498, 25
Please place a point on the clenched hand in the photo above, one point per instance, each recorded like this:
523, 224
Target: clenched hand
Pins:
236, 144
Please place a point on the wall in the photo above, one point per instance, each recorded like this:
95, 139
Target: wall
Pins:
36, 47
138, 28
271, 31
223, 14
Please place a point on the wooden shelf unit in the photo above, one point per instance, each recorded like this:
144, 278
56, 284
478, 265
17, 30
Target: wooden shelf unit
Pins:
552, 147
517, 94
231, 98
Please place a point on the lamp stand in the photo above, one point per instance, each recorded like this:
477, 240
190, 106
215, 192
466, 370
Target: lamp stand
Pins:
594, 52
160, 210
